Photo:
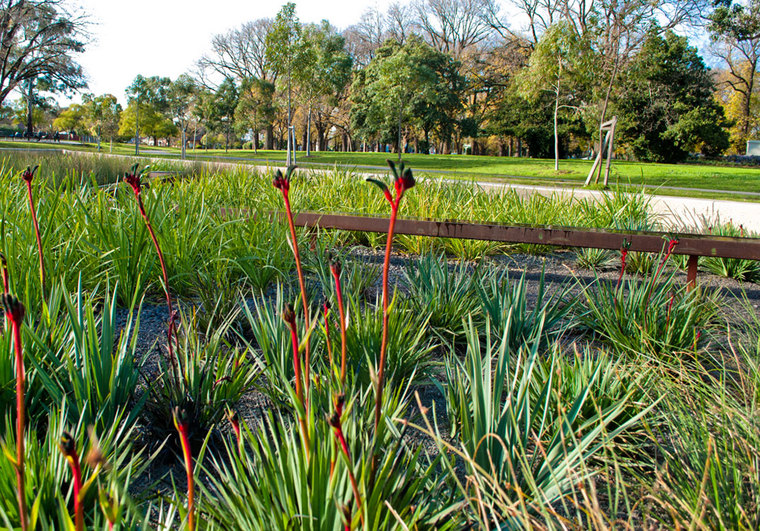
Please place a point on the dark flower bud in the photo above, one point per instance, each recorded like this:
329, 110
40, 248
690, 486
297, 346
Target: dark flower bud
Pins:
67, 445
334, 421
13, 307
181, 418
289, 315
28, 174
282, 182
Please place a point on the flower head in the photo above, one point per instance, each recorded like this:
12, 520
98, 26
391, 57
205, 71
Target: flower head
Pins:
134, 178
403, 180
289, 315
282, 182
67, 445
181, 419
13, 307
29, 172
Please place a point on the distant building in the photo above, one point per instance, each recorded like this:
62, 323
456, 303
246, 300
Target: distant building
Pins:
753, 148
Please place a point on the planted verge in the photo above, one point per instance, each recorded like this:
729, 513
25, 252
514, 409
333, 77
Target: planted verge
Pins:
456, 397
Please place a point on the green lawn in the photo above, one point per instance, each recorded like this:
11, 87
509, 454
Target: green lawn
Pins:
532, 171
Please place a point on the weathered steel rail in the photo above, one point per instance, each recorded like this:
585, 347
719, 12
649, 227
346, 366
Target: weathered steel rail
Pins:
692, 245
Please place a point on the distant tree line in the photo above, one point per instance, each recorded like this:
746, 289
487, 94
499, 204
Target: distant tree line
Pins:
443, 76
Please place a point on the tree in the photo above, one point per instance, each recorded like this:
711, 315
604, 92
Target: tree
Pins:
284, 51
556, 66
453, 26
37, 41
667, 108
102, 115
255, 109
324, 73
241, 53
148, 109
413, 84
735, 32
73, 118
182, 96
218, 108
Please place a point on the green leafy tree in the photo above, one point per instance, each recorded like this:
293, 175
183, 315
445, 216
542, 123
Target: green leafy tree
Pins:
102, 115
324, 72
148, 109
285, 50
558, 66
666, 107
735, 32
216, 109
182, 96
256, 108
73, 118
39, 42
411, 84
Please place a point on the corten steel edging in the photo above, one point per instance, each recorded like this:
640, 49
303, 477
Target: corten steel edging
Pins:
653, 242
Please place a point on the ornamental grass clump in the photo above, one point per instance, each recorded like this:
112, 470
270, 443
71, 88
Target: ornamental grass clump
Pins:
653, 315
14, 312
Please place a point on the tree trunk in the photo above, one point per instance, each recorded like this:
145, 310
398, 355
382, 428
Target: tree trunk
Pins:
556, 133
30, 108
399, 135
184, 143
269, 136
308, 134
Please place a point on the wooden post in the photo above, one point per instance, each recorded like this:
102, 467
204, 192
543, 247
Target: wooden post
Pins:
691, 273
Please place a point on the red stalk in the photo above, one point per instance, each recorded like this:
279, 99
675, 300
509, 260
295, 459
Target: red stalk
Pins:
181, 425
68, 448
14, 312
134, 180
282, 183
402, 181
326, 308
335, 269
290, 318
28, 175
335, 422
301, 284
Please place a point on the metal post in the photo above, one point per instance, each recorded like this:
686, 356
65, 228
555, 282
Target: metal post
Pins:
691, 272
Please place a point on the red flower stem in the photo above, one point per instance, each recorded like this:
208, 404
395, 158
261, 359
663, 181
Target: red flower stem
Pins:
76, 470
4, 265
185, 440
327, 335
20, 419
170, 331
37, 234
299, 388
338, 429
302, 285
384, 340
342, 314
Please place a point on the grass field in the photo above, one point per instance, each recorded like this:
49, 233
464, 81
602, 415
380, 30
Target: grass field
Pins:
698, 180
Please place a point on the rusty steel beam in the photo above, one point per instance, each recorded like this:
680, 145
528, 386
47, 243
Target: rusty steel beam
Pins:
646, 241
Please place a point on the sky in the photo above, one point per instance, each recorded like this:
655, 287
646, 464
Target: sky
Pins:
167, 37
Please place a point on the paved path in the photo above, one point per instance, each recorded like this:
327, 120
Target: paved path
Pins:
671, 209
